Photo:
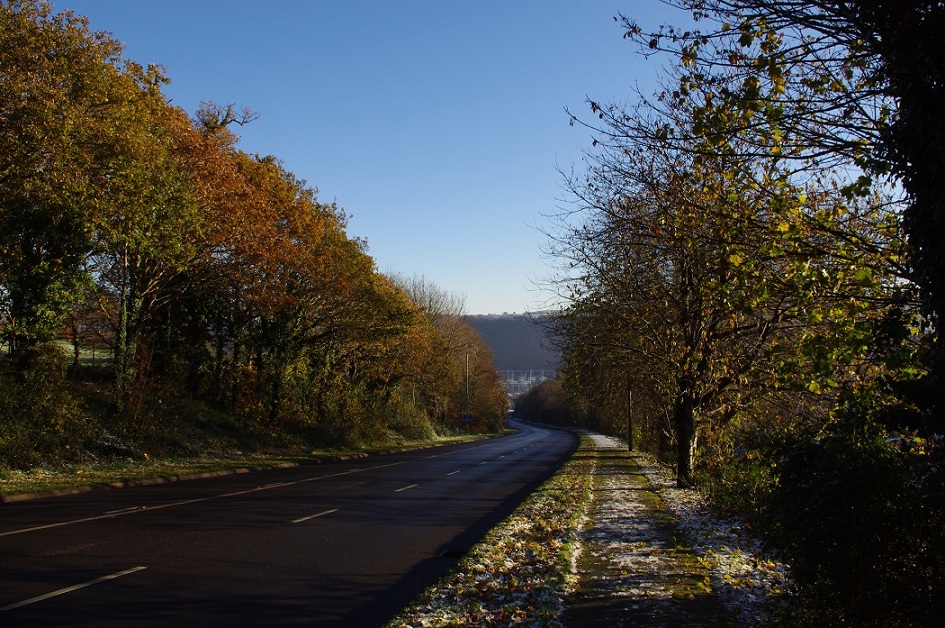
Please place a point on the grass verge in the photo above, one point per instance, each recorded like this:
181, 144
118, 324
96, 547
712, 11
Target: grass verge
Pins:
521, 570
72, 478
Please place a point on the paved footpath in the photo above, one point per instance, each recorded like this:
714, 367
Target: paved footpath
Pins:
635, 568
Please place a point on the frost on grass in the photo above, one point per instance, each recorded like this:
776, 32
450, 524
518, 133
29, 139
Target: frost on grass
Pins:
519, 573
749, 583
625, 537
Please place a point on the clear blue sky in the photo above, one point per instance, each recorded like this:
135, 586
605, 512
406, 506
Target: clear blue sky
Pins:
437, 125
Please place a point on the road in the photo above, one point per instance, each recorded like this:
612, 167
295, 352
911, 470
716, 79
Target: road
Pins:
342, 543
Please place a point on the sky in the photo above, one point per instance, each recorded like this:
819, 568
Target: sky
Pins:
439, 126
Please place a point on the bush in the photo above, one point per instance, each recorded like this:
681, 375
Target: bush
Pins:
739, 464
736, 477
863, 525
859, 516
41, 423
411, 423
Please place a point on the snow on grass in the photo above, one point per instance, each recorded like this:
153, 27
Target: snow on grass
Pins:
749, 583
519, 573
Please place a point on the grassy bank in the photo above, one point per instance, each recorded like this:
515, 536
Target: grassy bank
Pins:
129, 471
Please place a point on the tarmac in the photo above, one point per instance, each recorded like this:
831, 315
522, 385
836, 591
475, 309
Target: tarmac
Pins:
634, 568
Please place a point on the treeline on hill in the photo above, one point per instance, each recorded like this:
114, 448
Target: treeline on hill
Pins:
164, 292
517, 340
754, 257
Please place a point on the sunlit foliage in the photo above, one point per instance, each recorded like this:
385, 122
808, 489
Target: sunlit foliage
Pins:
751, 259
211, 278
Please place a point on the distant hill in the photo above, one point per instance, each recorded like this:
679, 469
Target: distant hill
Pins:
517, 340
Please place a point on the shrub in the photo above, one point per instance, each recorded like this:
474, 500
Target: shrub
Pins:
863, 525
41, 423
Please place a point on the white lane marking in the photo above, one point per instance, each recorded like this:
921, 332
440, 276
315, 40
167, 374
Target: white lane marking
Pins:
105, 516
406, 488
75, 587
448, 453
482, 463
184, 502
321, 514
121, 513
454, 472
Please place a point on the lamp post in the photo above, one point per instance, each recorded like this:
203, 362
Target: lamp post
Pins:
629, 414
467, 415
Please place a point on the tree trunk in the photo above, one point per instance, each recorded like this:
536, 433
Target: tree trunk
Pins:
76, 349
130, 306
121, 362
275, 394
685, 423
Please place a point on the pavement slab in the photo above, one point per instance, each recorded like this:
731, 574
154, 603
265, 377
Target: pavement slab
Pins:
635, 568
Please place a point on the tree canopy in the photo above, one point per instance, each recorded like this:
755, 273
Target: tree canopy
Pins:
751, 260
209, 274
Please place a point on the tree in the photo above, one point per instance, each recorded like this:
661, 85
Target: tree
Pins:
60, 93
859, 84
443, 311
144, 236
727, 276
839, 96
467, 381
212, 315
546, 403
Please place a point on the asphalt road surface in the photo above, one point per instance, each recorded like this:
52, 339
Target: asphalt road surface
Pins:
342, 543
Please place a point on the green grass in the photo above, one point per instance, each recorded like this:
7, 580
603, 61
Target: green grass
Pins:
59, 433
71, 477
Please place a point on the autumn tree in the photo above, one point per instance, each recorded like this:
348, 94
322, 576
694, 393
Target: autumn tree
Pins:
220, 276
859, 85
443, 311
546, 403
726, 274
144, 237
61, 89
207, 323
603, 382
471, 385
839, 97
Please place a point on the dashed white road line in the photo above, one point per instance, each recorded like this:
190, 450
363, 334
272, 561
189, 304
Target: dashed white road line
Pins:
400, 490
119, 513
454, 472
137, 509
321, 514
75, 587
